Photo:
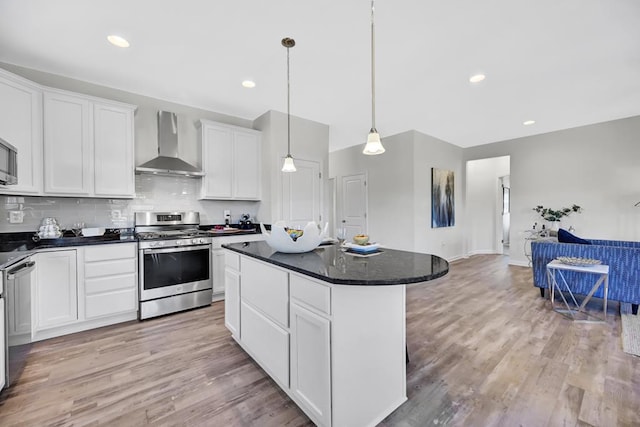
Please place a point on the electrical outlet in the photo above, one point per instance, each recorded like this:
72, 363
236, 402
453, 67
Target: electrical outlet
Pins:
16, 217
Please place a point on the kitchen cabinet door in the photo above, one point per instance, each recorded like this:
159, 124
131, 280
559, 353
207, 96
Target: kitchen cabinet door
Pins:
311, 363
67, 144
21, 126
232, 301
56, 289
217, 273
3, 347
246, 165
231, 161
217, 155
113, 151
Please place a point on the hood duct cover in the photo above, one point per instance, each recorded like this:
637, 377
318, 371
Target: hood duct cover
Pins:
167, 162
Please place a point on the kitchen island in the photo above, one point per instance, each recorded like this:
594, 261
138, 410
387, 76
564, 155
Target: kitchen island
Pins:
328, 326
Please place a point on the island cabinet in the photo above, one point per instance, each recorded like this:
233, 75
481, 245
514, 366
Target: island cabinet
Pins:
231, 161
218, 260
88, 144
337, 350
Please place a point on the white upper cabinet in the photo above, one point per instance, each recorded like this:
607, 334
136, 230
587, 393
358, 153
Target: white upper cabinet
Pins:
67, 144
113, 151
21, 126
88, 146
231, 161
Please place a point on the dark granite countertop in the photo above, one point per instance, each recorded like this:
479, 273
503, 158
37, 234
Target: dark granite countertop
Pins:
237, 231
331, 264
24, 241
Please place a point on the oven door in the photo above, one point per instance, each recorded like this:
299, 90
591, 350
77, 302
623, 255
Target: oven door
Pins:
172, 271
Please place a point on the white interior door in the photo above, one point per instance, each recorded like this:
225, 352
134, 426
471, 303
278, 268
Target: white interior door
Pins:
301, 195
354, 205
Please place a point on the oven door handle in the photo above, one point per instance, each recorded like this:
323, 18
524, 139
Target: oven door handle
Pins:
176, 249
21, 270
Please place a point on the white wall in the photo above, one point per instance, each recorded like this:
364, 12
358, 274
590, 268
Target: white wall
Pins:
483, 203
309, 141
596, 167
430, 152
399, 191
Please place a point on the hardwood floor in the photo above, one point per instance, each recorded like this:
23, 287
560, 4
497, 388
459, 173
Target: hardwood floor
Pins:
485, 350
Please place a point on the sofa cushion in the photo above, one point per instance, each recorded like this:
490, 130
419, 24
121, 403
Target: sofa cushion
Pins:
565, 237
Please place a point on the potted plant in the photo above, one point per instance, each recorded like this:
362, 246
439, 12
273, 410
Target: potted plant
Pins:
554, 216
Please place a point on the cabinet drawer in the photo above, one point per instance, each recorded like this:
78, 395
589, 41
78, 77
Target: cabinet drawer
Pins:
111, 303
232, 260
266, 288
109, 252
311, 293
110, 283
267, 342
110, 268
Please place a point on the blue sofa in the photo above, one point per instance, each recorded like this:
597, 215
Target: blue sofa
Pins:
623, 259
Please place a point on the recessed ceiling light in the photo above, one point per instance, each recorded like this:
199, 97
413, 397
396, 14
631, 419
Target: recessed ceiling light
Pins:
528, 122
118, 41
249, 84
477, 78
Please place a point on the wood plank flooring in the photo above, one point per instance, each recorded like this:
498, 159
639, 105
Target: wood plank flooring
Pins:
485, 351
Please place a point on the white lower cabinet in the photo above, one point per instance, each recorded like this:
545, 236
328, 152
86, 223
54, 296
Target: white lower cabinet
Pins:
217, 273
84, 287
218, 260
267, 342
311, 362
110, 279
232, 293
56, 296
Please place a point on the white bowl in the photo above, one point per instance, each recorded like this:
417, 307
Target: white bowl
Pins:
281, 241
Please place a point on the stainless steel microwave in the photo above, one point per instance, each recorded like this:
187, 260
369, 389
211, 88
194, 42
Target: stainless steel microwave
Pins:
8, 163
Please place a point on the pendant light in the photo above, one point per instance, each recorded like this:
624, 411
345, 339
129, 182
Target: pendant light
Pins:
288, 165
374, 146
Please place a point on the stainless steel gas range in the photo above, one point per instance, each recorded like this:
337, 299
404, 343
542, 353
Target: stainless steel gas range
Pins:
174, 262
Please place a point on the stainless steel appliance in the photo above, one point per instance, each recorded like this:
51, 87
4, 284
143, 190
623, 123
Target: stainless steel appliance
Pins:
174, 262
168, 163
8, 163
15, 290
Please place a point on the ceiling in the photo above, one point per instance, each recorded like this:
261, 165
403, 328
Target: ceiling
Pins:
562, 63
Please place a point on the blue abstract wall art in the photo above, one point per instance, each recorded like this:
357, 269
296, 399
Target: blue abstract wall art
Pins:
443, 212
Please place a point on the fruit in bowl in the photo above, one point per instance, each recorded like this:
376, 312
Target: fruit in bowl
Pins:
360, 239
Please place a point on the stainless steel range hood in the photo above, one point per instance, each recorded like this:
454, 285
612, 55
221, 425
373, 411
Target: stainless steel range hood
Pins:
167, 162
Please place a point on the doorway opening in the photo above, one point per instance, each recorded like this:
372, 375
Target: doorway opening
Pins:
488, 218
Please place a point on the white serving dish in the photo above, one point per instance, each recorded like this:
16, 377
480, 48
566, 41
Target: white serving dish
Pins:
92, 232
371, 247
281, 241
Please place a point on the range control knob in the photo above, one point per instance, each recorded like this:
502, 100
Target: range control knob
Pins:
197, 241
180, 242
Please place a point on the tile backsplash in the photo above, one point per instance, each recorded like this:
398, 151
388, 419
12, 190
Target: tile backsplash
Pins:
153, 193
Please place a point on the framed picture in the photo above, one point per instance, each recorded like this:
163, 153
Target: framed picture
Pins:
443, 212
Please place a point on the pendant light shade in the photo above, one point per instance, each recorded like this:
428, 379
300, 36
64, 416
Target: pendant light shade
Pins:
288, 165
374, 145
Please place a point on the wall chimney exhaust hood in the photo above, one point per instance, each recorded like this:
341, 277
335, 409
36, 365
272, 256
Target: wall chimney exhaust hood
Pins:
167, 163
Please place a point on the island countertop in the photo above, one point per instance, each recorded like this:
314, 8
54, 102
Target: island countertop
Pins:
331, 264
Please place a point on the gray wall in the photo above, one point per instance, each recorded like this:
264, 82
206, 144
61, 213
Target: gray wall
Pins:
596, 167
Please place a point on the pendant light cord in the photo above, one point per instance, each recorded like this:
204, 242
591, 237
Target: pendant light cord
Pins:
373, 71
288, 108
